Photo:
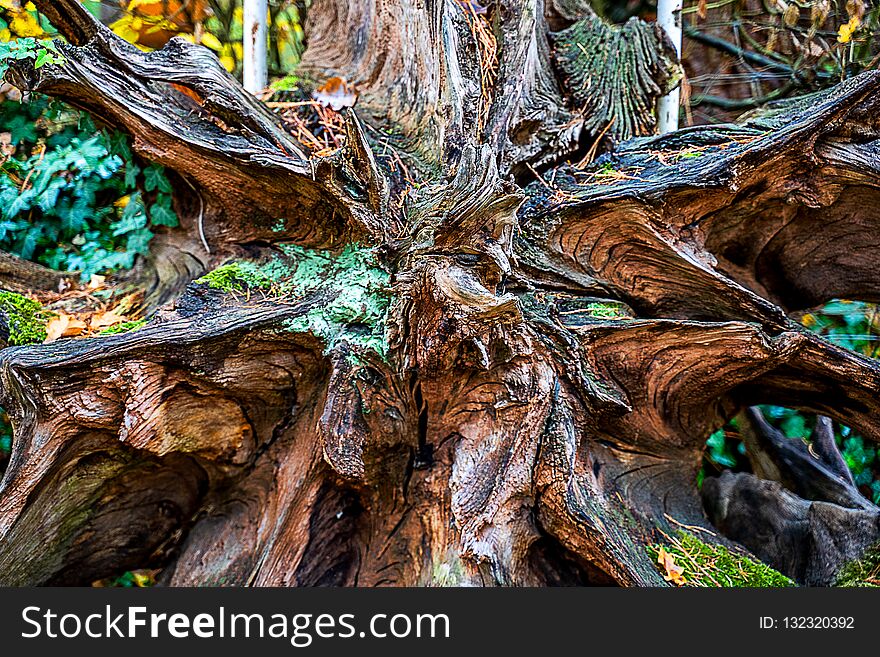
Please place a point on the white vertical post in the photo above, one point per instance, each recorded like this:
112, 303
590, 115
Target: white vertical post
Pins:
255, 38
669, 18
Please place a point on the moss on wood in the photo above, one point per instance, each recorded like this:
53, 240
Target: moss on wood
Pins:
25, 318
710, 565
358, 286
614, 75
864, 572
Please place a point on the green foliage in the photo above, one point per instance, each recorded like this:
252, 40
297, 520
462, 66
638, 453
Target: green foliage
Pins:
130, 579
854, 325
287, 83
42, 51
124, 327
25, 317
73, 197
720, 450
358, 288
239, 276
5, 439
606, 311
708, 565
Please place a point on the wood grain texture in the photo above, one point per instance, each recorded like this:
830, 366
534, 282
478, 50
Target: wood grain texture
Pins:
557, 352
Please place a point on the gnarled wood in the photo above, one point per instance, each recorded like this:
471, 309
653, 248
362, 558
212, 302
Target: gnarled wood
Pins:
554, 355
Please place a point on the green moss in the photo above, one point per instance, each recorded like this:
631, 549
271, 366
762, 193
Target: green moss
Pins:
124, 327
25, 317
710, 565
864, 572
607, 311
359, 307
595, 57
237, 277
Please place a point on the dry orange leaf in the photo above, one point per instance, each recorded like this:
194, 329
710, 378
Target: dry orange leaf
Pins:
674, 572
335, 93
103, 320
64, 326
702, 9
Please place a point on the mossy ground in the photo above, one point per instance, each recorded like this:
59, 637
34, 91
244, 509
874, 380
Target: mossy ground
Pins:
710, 565
864, 572
25, 317
124, 327
606, 311
359, 286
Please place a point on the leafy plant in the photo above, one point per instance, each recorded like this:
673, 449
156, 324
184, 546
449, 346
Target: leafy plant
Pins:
854, 325
73, 197
43, 52
5, 440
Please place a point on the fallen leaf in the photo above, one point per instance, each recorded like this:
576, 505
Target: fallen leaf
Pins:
674, 572
103, 320
335, 93
96, 281
63, 326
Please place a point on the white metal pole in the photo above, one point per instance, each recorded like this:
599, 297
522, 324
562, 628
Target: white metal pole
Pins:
255, 38
669, 18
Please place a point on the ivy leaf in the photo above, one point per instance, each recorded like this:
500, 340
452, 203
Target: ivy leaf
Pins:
161, 212
139, 241
154, 178
132, 171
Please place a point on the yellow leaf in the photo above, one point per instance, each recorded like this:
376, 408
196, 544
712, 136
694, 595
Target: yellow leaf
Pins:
123, 27
25, 25
143, 578
228, 63
845, 33
673, 571
211, 41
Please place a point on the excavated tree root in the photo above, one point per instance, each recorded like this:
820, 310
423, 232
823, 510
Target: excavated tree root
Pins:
552, 357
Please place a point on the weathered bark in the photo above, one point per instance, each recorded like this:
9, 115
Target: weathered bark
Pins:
510, 434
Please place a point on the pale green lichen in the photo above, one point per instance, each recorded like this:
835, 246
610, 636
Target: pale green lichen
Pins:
864, 572
25, 319
708, 565
358, 287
